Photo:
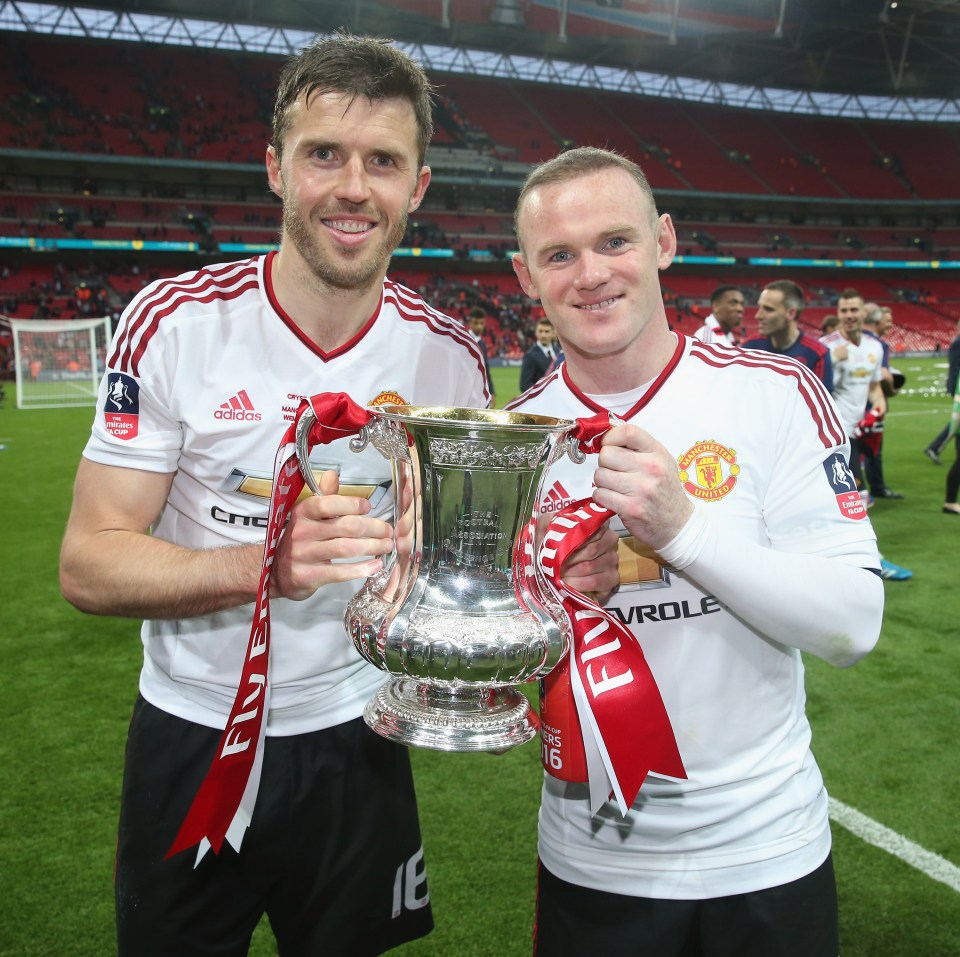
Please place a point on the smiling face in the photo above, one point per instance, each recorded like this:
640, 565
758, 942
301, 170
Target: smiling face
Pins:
591, 251
851, 313
348, 177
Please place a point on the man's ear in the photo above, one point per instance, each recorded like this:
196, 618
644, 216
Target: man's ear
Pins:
523, 276
273, 172
423, 181
666, 241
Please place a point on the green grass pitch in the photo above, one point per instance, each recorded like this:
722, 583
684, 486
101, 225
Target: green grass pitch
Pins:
884, 732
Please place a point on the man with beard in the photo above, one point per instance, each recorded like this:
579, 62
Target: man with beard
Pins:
168, 524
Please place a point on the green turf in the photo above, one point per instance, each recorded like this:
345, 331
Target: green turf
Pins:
884, 732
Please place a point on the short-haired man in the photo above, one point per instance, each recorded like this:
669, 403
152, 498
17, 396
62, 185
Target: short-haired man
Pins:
876, 323
170, 506
857, 382
540, 357
778, 310
857, 372
726, 316
726, 459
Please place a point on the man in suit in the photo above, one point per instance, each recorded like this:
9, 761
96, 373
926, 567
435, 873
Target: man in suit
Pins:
477, 323
539, 356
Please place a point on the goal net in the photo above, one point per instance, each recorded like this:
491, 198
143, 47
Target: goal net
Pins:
58, 362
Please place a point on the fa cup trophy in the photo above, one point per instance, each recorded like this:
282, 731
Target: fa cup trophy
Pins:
450, 617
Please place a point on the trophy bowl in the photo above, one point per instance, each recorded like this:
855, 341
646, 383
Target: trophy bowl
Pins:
450, 617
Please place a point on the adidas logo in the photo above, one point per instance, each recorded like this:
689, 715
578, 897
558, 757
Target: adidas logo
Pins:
239, 408
557, 498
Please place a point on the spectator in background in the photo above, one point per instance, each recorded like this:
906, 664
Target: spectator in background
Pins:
857, 373
726, 316
778, 309
540, 356
875, 324
477, 323
933, 450
829, 324
950, 506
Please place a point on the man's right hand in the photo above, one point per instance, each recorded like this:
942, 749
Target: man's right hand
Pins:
329, 538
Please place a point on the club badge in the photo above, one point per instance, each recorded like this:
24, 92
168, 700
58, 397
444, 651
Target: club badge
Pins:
708, 470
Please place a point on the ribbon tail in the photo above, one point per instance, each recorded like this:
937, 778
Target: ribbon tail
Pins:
207, 820
621, 775
598, 779
202, 849
237, 829
601, 776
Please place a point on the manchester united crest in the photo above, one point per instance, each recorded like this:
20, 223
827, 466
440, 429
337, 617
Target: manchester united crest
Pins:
708, 470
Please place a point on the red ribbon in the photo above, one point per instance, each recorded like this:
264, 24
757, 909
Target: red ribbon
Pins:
223, 806
623, 722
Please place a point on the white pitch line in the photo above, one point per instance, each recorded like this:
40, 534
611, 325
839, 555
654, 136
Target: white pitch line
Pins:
936, 867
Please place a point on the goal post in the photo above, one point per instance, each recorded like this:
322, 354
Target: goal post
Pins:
59, 362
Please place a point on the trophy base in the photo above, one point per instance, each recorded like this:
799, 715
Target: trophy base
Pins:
445, 719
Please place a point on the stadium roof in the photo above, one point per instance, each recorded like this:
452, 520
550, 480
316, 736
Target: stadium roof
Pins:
882, 58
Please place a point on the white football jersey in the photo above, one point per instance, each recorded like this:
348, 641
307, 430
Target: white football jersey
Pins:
759, 447
204, 375
712, 332
852, 376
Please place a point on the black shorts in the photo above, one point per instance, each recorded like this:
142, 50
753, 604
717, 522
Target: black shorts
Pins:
333, 855
798, 919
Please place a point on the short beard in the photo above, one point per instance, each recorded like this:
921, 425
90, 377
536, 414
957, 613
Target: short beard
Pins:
365, 272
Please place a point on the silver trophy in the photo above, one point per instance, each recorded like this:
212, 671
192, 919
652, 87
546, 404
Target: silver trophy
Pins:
449, 616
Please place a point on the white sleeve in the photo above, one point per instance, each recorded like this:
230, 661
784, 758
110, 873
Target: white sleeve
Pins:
134, 426
813, 583
824, 604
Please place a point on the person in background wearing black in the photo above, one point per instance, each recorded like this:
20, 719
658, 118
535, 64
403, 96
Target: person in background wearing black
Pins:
932, 451
540, 356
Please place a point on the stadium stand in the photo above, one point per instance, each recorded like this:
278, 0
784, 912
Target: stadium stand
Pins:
172, 140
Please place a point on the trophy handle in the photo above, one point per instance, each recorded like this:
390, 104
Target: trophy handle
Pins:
568, 445
571, 445
302, 438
